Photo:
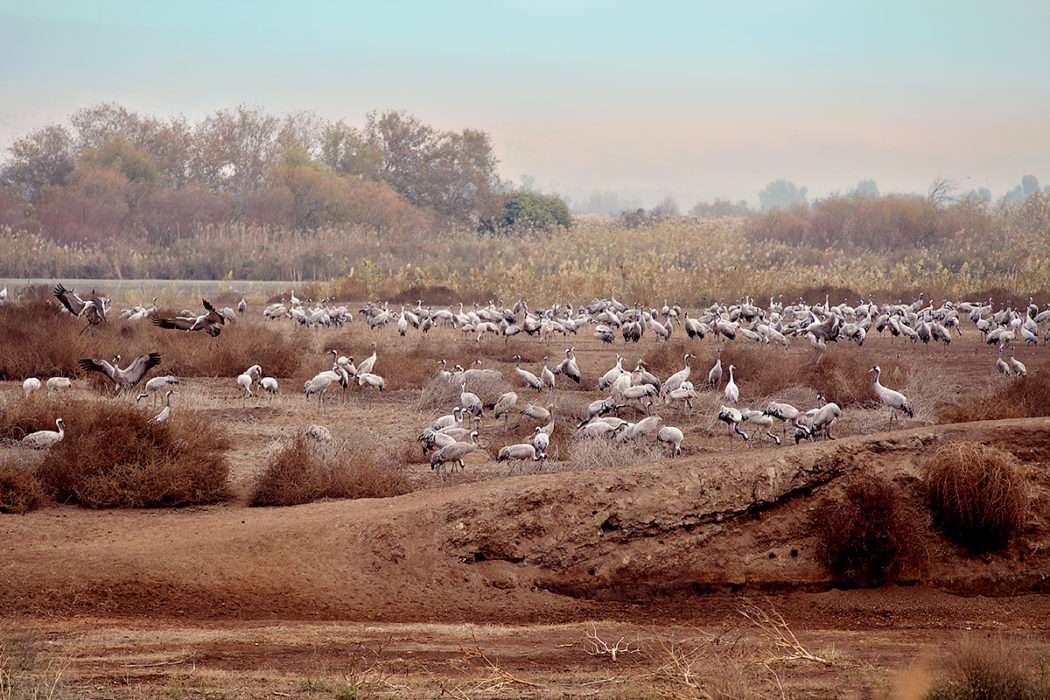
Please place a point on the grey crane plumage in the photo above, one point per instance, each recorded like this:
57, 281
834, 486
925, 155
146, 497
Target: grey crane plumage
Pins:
894, 400
43, 439
166, 411
123, 379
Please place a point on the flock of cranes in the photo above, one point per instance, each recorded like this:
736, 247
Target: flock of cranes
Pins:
608, 320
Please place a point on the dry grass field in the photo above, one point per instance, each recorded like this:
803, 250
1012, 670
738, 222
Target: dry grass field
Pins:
715, 574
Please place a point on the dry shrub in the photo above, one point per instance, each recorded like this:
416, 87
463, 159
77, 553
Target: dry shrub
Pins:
20, 417
112, 457
405, 367
488, 388
756, 371
20, 492
730, 664
602, 452
977, 493
929, 392
40, 340
1023, 397
842, 376
869, 536
441, 394
531, 350
438, 394
664, 359
980, 670
305, 471
412, 453
238, 347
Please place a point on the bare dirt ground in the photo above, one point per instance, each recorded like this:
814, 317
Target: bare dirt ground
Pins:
520, 586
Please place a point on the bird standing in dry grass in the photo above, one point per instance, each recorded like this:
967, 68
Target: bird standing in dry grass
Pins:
43, 439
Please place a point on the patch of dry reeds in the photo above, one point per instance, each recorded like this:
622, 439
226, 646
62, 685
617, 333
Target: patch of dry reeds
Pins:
40, 340
978, 494
307, 470
113, 457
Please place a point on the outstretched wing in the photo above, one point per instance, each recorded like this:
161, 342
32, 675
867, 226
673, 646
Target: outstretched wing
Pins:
70, 300
92, 365
183, 324
142, 364
213, 314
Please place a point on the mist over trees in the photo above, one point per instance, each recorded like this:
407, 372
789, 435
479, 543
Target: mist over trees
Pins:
246, 194
113, 173
782, 194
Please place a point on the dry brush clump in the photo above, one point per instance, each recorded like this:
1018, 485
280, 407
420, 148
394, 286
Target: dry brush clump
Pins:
113, 457
1021, 397
599, 453
842, 377
978, 494
42, 341
307, 470
439, 393
239, 346
20, 491
871, 534
982, 670
20, 417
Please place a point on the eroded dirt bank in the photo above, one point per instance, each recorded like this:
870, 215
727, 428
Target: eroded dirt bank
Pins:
538, 548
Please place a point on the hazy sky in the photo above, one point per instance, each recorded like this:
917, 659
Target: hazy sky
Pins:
644, 99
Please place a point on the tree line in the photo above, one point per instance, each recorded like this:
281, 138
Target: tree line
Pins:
112, 173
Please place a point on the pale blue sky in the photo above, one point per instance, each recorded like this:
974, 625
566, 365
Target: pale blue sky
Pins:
644, 99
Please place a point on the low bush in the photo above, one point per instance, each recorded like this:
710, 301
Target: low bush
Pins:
40, 340
113, 457
19, 418
306, 470
1023, 397
20, 492
871, 535
599, 453
981, 670
977, 493
841, 375
239, 346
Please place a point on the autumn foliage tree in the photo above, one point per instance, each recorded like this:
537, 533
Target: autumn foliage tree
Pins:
117, 174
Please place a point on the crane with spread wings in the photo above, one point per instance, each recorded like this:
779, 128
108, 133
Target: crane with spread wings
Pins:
210, 322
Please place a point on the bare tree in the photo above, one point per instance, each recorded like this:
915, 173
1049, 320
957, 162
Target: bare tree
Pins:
940, 190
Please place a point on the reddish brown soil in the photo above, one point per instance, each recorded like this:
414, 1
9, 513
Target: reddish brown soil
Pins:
404, 595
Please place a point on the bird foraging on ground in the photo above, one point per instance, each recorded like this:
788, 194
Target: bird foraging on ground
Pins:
165, 412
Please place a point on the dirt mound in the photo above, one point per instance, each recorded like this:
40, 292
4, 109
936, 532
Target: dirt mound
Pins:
541, 547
